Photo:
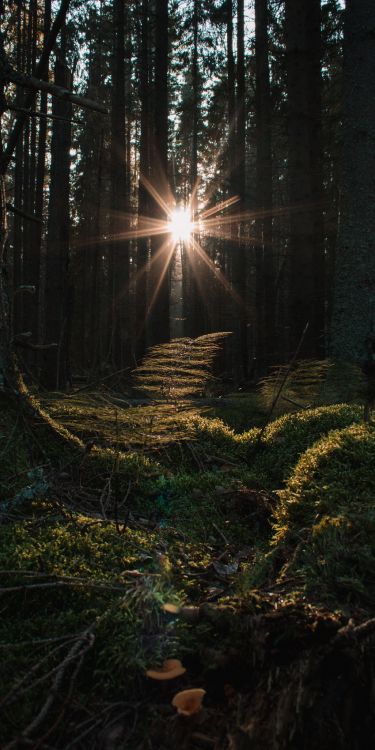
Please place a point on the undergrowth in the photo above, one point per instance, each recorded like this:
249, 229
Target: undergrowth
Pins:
197, 513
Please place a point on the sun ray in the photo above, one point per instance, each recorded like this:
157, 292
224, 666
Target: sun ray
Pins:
217, 272
156, 195
166, 244
219, 207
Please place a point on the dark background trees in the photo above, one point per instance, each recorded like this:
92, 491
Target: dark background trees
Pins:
207, 101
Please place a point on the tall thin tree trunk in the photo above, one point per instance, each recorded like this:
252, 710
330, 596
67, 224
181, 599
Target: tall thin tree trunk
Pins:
353, 320
56, 373
161, 250
143, 196
34, 251
302, 23
119, 248
239, 250
194, 266
265, 279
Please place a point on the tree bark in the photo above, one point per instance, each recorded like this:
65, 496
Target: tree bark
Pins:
55, 372
119, 248
265, 281
143, 196
353, 318
161, 250
239, 249
302, 26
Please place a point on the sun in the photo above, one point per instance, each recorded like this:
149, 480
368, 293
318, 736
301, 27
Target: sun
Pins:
180, 224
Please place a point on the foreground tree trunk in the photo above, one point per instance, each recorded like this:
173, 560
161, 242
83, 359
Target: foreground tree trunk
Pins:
353, 318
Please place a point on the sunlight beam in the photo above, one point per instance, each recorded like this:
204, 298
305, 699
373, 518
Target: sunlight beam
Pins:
181, 226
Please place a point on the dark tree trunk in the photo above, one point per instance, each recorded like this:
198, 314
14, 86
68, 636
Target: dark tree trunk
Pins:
119, 248
239, 250
353, 319
194, 265
55, 374
18, 176
161, 250
33, 253
143, 196
265, 281
303, 37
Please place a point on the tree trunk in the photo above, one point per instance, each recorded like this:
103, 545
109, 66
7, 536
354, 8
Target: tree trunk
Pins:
353, 319
302, 25
265, 280
161, 249
239, 249
194, 265
33, 253
55, 374
119, 248
143, 196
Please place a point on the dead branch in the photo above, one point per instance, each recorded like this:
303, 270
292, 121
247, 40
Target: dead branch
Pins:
41, 71
34, 347
59, 584
23, 214
37, 84
43, 115
77, 652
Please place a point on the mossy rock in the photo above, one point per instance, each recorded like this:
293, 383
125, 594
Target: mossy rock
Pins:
288, 437
325, 519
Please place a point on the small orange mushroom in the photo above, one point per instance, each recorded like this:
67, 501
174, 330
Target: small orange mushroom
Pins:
189, 702
171, 668
172, 609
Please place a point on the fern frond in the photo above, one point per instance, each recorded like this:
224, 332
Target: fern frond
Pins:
312, 382
180, 368
302, 386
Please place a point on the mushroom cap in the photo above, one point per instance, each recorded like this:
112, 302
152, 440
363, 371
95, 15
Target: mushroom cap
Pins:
170, 669
171, 608
189, 702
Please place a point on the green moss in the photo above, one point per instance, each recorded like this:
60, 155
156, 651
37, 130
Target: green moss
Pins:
288, 437
325, 519
240, 411
14, 460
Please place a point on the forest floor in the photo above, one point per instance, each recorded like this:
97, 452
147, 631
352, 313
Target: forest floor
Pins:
171, 531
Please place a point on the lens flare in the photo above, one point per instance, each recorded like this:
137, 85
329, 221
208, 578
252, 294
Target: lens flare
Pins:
181, 225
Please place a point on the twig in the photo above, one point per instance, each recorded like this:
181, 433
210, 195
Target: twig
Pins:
23, 214
282, 384
220, 533
76, 652
59, 584
44, 115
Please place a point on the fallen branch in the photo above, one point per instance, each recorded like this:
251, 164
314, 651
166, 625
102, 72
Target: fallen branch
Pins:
59, 584
77, 652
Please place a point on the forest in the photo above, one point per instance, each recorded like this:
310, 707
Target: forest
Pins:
187, 374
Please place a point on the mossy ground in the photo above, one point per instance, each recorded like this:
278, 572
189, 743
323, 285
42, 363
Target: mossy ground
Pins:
198, 512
